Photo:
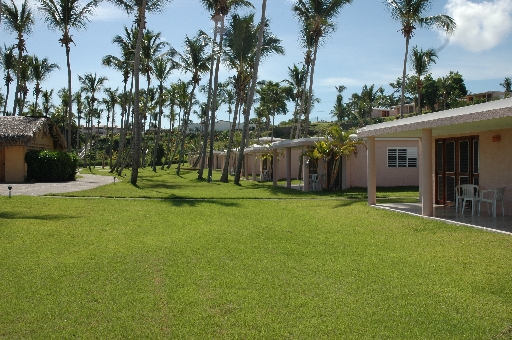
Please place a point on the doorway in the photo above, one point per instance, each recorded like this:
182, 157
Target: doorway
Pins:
457, 162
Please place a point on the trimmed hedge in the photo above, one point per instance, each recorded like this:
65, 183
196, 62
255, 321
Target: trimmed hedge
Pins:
50, 166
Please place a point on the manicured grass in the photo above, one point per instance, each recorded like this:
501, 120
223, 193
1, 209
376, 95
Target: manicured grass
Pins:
165, 184
300, 268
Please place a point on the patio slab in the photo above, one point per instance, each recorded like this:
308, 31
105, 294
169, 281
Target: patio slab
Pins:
502, 224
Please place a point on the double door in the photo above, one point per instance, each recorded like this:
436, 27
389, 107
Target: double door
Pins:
457, 162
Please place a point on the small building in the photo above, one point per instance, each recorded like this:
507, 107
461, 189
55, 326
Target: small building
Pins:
19, 134
467, 145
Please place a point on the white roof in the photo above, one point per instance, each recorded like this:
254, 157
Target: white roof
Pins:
469, 119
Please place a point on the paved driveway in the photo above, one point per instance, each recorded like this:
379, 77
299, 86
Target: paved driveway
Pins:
39, 189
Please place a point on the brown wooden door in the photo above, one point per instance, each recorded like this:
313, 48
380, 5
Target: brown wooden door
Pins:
457, 162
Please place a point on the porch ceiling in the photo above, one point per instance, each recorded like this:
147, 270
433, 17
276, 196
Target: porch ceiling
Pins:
471, 119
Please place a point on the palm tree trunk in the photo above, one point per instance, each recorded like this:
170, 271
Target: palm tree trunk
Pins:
6, 99
250, 98
402, 101
70, 99
214, 102
303, 98
186, 116
112, 139
225, 169
136, 101
310, 92
208, 106
157, 137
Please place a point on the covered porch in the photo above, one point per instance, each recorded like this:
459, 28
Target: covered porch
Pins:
468, 145
486, 221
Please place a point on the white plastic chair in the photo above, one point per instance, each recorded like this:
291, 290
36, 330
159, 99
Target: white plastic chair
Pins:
465, 193
497, 196
313, 181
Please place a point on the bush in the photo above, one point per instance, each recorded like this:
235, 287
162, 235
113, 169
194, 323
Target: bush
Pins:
50, 166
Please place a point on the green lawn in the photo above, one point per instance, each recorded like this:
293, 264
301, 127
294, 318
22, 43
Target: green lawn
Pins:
288, 265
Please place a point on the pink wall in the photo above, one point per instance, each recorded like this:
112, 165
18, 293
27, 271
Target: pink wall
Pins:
355, 168
496, 164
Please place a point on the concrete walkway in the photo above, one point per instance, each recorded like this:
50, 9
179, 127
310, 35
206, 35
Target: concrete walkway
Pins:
39, 189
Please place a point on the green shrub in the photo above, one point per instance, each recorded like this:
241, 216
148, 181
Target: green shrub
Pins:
50, 166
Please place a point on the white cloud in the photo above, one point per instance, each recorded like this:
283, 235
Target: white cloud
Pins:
480, 25
108, 12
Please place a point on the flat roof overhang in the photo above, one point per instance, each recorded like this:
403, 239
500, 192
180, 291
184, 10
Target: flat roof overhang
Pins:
465, 120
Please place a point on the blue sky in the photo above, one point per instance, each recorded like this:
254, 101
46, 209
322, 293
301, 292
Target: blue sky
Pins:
367, 47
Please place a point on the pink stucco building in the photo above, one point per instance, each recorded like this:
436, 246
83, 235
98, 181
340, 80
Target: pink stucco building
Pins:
468, 145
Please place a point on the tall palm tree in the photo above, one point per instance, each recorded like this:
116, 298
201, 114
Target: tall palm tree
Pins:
91, 84
296, 80
77, 98
139, 8
339, 110
8, 63
421, 62
63, 15
273, 99
411, 13
40, 70
123, 64
19, 22
219, 9
48, 102
250, 97
241, 38
507, 85
195, 60
110, 102
317, 21
162, 69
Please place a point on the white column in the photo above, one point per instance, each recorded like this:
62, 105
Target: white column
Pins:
246, 167
288, 156
427, 196
275, 166
254, 166
371, 171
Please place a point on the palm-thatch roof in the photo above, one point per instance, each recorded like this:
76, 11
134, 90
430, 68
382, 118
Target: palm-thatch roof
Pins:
19, 130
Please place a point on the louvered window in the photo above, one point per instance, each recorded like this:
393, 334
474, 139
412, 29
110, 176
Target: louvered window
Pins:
402, 157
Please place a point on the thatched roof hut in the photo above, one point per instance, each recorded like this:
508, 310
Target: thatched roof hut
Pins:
19, 130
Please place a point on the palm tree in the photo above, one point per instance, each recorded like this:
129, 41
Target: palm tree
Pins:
242, 39
110, 103
40, 70
127, 44
19, 22
250, 97
421, 61
272, 101
194, 61
47, 103
162, 69
8, 63
79, 111
339, 110
219, 9
317, 21
91, 84
63, 15
296, 79
139, 8
411, 13
507, 85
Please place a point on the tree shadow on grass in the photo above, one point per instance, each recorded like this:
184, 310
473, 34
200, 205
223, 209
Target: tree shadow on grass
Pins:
44, 217
178, 201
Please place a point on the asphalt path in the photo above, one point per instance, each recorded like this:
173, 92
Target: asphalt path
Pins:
39, 189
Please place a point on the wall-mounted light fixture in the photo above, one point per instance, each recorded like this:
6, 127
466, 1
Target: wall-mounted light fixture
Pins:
496, 138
